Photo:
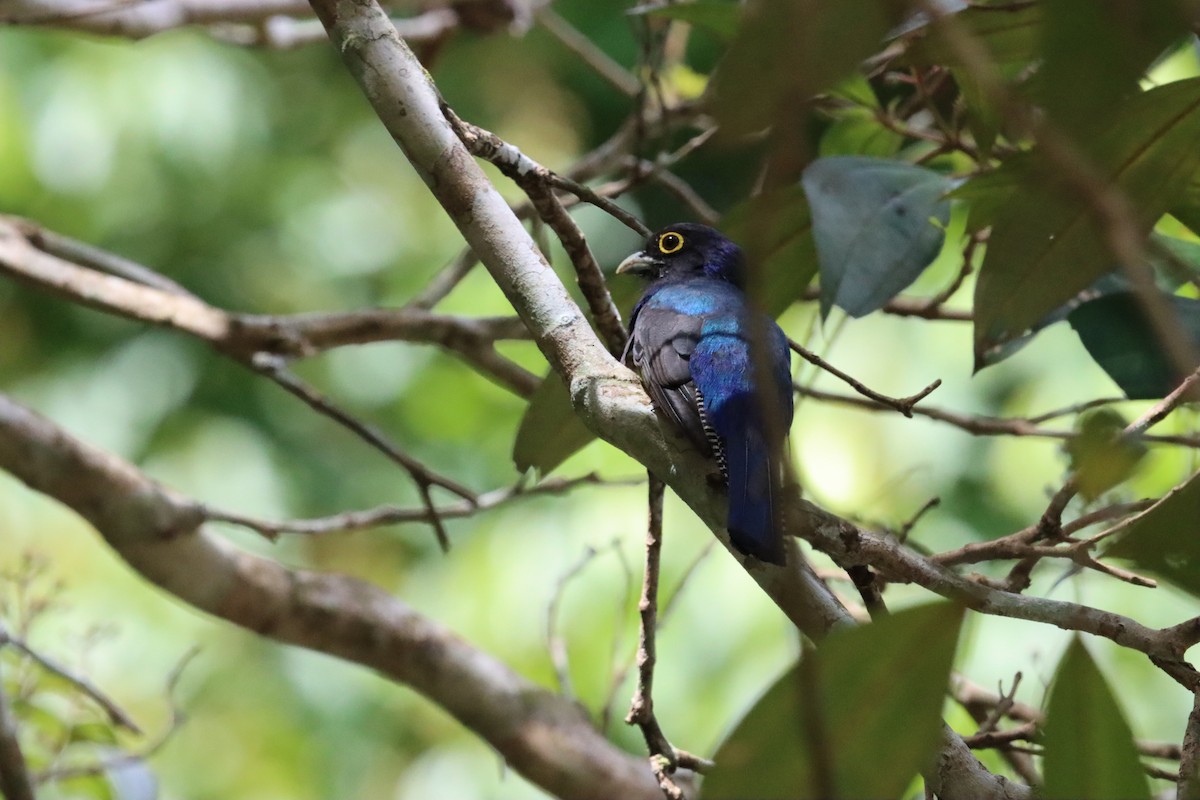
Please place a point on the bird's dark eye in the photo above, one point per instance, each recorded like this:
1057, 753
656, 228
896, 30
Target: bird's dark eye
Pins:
670, 243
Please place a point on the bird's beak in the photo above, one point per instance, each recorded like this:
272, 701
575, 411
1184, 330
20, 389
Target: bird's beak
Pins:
638, 263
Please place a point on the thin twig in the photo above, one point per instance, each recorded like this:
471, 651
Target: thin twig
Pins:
1050, 524
664, 758
107, 765
979, 425
538, 183
115, 714
350, 521
902, 404
588, 51
445, 281
422, 476
556, 644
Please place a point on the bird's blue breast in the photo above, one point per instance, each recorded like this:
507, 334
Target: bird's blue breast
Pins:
697, 297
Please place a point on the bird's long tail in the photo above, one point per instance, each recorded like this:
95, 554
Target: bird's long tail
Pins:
754, 527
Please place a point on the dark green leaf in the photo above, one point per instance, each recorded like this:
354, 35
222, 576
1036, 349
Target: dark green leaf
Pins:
1009, 32
96, 732
1119, 337
786, 52
983, 117
988, 193
1101, 456
1095, 53
872, 220
1166, 539
1175, 261
1089, 749
720, 18
775, 231
550, 432
1187, 209
811, 734
1046, 245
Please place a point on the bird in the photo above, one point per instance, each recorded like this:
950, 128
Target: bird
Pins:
701, 349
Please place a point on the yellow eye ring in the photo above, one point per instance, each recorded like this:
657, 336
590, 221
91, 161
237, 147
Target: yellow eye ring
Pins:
670, 242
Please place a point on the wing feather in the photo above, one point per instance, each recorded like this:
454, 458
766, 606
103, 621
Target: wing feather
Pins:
661, 345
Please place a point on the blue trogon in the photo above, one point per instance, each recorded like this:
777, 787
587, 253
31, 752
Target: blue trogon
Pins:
701, 351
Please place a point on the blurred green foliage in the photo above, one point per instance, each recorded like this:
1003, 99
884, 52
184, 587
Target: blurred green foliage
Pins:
261, 181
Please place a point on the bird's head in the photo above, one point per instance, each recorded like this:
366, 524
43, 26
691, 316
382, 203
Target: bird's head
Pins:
684, 250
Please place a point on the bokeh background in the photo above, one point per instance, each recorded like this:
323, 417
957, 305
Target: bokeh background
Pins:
262, 182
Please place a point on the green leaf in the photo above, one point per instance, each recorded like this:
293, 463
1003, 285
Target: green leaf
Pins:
872, 224
1187, 209
856, 131
97, 732
1175, 261
1121, 340
550, 432
1046, 245
1101, 455
786, 52
1009, 32
983, 117
1089, 748
775, 232
987, 193
720, 18
813, 733
1095, 53
1166, 539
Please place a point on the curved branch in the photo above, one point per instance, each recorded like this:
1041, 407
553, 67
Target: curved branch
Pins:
84, 274
606, 396
545, 737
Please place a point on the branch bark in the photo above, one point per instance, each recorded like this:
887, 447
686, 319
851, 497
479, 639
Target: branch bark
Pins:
607, 396
14, 772
545, 737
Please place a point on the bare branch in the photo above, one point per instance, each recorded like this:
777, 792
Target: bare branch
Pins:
14, 772
555, 643
148, 750
606, 396
1189, 764
544, 737
903, 404
586, 49
979, 425
848, 544
115, 714
664, 757
445, 281
349, 521
137, 20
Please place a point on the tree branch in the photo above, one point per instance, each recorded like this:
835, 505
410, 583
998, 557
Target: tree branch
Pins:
14, 772
545, 737
606, 396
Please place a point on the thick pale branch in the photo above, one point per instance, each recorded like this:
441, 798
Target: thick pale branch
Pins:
543, 736
606, 396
